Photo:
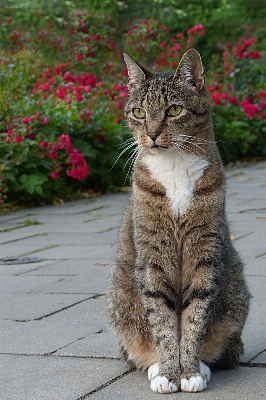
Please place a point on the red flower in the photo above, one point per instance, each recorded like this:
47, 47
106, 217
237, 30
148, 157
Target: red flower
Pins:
253, 54
61, 93
25, 120
79, 97
96, 37
44, 145
100, 138
80, 57
263, 104
45, 120
19, 138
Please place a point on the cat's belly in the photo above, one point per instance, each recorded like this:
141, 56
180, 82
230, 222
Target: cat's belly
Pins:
178, 174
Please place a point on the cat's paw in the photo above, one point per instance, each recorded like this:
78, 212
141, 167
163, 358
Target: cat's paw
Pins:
194, 384
153, 371
161, 384
205, 371
197, 383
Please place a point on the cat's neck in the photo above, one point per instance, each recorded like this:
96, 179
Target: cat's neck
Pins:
177, 172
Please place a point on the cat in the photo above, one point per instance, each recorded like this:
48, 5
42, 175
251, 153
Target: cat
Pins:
177, 297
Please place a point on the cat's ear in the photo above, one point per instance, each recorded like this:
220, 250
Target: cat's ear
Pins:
191, 70
135, 73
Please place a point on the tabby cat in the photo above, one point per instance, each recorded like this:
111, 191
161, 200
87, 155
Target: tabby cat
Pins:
177, 297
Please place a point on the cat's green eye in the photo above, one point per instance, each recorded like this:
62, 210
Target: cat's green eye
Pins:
174, 111
138, 113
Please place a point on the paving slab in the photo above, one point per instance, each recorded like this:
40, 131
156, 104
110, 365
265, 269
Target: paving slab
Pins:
54, 378
53, 315
238, 384
102, 344
52, 332
30, 306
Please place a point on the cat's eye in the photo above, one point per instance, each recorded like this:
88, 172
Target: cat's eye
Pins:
173, 111
138, 113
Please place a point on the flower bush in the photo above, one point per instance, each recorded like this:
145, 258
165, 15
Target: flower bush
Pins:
63, 92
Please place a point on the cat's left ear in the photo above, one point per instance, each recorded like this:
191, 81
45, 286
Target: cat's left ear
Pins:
135, 73
191, 70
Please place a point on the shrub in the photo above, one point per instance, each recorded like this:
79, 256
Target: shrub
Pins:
64, 91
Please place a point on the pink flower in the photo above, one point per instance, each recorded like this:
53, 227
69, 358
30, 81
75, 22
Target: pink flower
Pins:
65, 139
45, 87
250, 109
68, 100
79, 97
44, 145
25, 120
216, 98
45, 120
261, 93
177, 47
120, 104
81, 172
54, 175
263, 104
163, 45
53, 154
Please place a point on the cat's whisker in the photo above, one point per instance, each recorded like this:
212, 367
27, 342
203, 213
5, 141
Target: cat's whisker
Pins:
196, 139
134, 151
122, 152
133, 159
126, 142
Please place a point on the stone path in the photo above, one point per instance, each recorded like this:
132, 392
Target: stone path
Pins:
55, 341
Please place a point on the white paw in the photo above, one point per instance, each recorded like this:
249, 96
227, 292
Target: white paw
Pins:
205, 371
153, 371
193, 384
160, 384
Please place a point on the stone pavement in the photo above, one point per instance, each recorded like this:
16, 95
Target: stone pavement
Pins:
55, 341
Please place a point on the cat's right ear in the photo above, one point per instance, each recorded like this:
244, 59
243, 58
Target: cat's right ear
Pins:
135, 73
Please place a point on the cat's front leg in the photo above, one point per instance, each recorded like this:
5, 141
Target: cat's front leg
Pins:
198, 299
160, 303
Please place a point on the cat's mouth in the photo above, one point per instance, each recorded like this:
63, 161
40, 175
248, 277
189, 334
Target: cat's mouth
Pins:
157, 146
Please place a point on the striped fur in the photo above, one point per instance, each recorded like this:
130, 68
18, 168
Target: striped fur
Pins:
177, 293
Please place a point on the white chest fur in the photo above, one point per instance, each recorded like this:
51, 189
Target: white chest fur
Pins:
178, 174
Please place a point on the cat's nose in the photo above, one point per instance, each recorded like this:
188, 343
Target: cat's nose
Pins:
154, 135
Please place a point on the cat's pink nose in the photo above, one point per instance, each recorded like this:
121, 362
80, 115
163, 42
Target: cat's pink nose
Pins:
154, 135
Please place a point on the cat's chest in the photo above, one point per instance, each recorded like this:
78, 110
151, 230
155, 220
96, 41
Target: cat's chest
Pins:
178, 174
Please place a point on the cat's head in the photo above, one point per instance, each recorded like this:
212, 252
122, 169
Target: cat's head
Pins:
169, 110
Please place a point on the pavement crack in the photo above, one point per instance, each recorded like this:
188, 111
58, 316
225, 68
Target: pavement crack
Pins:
62, 347
65, 308
254, 357
85, 396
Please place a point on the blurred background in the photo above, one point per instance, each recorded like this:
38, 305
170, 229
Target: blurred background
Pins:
63, 86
